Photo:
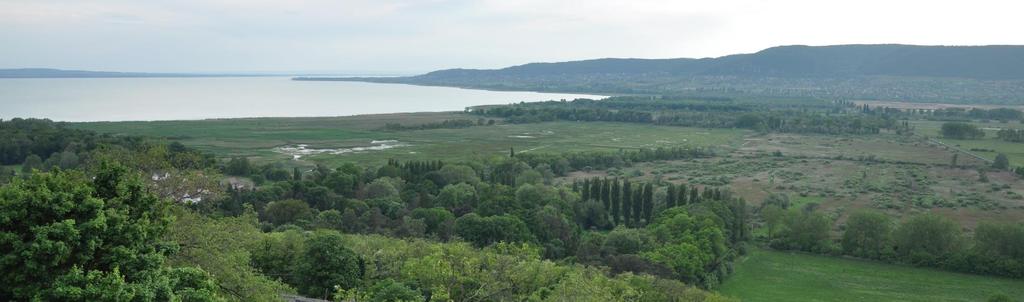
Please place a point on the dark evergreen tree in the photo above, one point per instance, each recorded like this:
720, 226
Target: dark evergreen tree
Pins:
681, 196
616, 201
648, 206
670, 196
694, 195
586, 190
627, 202
638, 205
606, 194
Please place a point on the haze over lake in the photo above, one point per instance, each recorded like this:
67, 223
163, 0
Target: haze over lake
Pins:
130, 99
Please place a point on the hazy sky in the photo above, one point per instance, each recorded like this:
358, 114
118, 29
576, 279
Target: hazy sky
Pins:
410, 36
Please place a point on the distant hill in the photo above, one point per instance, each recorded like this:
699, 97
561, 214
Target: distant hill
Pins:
890, 71
61, 73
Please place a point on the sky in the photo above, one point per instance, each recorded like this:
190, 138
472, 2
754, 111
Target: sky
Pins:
414, 36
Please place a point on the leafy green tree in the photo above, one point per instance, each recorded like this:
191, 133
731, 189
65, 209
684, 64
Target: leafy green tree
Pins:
290, 211
384, 187
483, 231
459, 198
32, 162
327, 263
238, 166
868, 234
389, 290
436, 220
1001, 162
958, 130
340, 182
687, 244
927, 239
454, 174
531, 177
66, 238
806, 231
532, 196
330, 219
221, 247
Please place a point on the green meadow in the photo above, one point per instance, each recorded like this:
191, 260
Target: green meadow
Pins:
767, 275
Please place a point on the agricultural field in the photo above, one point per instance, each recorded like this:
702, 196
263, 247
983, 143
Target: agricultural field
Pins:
766, 275
363, 139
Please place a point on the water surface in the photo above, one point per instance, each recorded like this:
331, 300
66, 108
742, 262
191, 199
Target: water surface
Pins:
134, 99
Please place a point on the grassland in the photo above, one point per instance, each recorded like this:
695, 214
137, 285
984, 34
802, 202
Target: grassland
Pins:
765, 275
259, 138
1013, 151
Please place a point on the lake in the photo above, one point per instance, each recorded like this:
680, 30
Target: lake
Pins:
144, 99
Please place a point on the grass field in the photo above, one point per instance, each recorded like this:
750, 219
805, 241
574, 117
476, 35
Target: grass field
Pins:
1013, 151
259, 138
765, 275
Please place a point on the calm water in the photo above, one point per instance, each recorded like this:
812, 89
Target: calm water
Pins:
123, 99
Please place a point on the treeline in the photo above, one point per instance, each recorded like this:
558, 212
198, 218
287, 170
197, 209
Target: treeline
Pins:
38, 144
958, 130
562, 163
775, 118
925, 240
446, 124
1011, 135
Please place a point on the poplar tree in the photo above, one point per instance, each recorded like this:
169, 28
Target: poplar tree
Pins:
627, 202
670, 198
616, 200
648, 206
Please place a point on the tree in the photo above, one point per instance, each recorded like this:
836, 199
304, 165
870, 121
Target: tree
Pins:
32, 162
616, 196
288, 211
627, 202
483, 231
383, 187
340, 182
238, 166
220, 246
327, 263
529, 177
670, 196
638, 205
454, 174
606, 194
868, 234
805, 230
459, 198
958, 130
66, 238
927, 239
435, 219
1001, 162
648, 206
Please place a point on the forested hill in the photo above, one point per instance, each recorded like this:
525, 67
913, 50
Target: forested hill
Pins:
979, 62
990, 74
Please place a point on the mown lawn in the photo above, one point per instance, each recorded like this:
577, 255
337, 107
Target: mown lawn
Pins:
765, 275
